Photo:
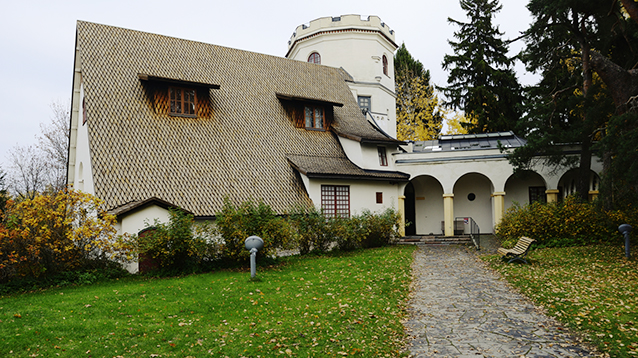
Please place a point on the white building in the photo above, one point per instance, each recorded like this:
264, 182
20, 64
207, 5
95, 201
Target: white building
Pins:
364, 48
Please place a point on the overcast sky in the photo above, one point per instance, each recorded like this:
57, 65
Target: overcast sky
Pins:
37, 39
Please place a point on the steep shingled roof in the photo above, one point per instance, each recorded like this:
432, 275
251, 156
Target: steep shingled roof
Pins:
238, 151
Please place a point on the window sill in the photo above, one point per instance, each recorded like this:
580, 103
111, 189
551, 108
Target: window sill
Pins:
315, 129
183, 115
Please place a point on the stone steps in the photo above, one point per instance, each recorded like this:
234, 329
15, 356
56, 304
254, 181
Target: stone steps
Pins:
434, 240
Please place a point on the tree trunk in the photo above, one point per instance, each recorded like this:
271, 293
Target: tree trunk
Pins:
622, 84
632, 8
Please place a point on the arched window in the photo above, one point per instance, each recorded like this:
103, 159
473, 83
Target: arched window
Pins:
314, 58
385, 65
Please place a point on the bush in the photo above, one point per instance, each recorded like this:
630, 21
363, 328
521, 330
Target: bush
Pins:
236, 223
313, 232
180, 245
57, 232
567, 223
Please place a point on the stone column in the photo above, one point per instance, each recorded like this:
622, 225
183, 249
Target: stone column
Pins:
402, 215
448, 214
552, 195
499, 206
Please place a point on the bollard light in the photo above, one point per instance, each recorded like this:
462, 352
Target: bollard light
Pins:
625, 229
254, 244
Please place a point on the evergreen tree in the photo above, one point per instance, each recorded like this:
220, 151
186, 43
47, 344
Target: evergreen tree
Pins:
571, 103
482, 82
419, 113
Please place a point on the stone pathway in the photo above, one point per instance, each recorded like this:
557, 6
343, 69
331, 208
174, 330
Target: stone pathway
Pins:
459, 308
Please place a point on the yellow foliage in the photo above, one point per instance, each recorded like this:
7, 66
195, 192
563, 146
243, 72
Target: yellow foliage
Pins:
419, 113
455, 123
56, 232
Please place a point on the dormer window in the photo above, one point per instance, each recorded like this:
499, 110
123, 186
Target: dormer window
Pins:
315, 58
182, 101
309, 113
314, 117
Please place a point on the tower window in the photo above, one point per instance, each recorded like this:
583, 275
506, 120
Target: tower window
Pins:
383, 158
385, 65
364, 103
315, 58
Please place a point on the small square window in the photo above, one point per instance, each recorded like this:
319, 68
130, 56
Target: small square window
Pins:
379, 198
383, 158
182, 101
364, 103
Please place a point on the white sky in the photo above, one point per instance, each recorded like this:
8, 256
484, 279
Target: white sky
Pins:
37, 39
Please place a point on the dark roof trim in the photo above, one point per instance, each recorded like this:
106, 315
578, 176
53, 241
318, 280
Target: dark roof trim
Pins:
360, 177
141, 204
308, 100
145, 77
363, 140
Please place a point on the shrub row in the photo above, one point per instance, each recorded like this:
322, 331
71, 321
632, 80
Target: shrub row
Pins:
185, 245
567, 223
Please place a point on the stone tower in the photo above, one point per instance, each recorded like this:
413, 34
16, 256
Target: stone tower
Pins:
364, 49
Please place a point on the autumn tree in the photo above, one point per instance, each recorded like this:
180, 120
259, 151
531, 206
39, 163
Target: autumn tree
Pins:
419, 113
458, 122
481, 80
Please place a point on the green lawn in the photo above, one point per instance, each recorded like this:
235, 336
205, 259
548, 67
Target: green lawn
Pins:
336, 305
592, 289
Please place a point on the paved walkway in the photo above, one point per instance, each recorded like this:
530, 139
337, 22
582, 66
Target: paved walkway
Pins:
459, 308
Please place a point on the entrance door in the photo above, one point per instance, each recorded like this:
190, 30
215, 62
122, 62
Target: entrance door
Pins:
410, 212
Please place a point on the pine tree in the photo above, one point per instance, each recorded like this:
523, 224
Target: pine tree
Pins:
419, 112
574, 101
482, 82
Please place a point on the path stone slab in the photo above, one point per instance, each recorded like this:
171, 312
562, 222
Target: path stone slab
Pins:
459, 308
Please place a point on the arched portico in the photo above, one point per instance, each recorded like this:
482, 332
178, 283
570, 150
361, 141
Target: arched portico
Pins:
423, 206
568, 183
525, 187
473, 193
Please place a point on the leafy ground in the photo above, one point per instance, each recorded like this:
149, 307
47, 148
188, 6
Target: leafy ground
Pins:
336, 305
592, 289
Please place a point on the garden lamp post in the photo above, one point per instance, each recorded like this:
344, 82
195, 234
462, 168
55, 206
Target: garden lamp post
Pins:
625, 229
254, 244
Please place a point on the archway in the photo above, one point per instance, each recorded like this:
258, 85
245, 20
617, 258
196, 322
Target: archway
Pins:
424, 196
524, 188
473, 198
568, 183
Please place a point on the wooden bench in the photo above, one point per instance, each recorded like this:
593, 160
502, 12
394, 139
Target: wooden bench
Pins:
518, 252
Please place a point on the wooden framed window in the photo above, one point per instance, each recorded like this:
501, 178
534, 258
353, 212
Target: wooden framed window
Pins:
315, 58
385, 65
335, 200
537, 193
383, 158
314, 117
379, 198
182, 101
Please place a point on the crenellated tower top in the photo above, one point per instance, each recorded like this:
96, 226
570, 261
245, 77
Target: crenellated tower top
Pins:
339, 24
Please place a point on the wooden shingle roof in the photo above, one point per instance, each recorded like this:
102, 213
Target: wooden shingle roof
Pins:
238, 151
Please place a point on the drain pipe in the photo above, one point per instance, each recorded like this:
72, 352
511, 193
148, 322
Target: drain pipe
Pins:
625, 229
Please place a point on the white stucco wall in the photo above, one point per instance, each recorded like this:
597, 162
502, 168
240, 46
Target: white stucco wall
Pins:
478, 209
366, 155
138, 220
362, 193
517, 189
428, 204
83, 178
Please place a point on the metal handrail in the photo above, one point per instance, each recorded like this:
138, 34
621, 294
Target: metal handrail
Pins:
475, 231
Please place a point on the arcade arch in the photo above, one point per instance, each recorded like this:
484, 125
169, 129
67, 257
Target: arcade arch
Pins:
525, 187
423, 206
568, 183
473, 198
